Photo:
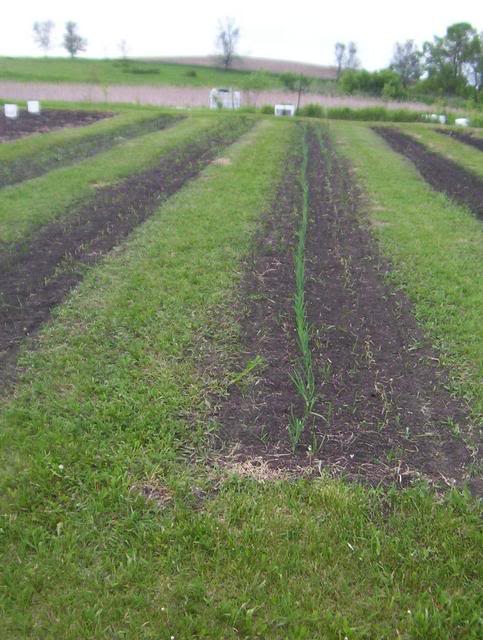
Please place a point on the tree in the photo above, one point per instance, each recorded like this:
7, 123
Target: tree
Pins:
446, 58
473, 68
42, 34
339, 57
352, 61
73, 42
227, 41
296, 82
406, 61
123, 48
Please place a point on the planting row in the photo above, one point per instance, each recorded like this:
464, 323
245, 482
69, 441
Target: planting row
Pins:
37, 274
344, 378
69, 151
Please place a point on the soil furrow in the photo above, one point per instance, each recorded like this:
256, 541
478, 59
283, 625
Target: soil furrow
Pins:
46, 121
71, 152
38, 276
382, 412
467, 138
442, 174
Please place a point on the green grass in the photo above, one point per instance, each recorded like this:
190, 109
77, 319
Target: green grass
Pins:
118, 395
54, 193
436, 248
108, 72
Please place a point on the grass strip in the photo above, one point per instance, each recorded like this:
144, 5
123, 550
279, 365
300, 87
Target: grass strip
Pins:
70, 151
436, 248
29, 205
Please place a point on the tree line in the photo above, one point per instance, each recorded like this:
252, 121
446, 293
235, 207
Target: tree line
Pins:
449, 65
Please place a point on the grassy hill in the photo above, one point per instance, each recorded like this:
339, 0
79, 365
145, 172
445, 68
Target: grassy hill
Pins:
138, 72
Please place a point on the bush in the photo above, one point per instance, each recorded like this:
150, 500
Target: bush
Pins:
267, 109
191, 73
374, 114
385, 83
312, 111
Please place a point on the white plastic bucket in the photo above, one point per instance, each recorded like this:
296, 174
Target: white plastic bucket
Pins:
33, 106
11, 111
462, 122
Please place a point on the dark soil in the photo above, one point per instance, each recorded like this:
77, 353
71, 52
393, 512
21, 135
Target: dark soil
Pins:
38, 276
383, 411
442, 174
46, 121
71, 151
467, 138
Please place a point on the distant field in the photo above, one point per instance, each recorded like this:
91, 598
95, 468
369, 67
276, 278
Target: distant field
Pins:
105, 72
144, 72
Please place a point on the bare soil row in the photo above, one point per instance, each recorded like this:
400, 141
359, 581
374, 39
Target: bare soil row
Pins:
467, 138
46, 121
72, 151
383, 412
38, 275
444, 175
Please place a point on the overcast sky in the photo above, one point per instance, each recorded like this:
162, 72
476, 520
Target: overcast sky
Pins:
304, 31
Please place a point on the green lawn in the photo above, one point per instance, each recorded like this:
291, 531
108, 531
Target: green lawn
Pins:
107, 72
117, 399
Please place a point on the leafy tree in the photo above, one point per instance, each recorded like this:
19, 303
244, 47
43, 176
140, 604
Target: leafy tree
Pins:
447, 58
227, 41
297, 83
42, 34
473, 67
73, 42
406, 61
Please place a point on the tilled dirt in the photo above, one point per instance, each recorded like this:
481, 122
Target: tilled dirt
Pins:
46, 121
383, 412
37, 276
444, 175
63, 154
467, 138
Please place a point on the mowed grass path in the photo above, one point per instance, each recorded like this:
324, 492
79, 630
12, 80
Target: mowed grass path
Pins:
30, 204
436, 248
117, 397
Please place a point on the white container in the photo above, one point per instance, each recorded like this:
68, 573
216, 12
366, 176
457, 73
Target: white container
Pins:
462, 122
442, 119
11, 111
224, 99
284, 110
434, 117
33, 106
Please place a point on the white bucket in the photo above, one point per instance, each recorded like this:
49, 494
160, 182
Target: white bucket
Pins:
11, 111
33, 106
462, 122
442, 119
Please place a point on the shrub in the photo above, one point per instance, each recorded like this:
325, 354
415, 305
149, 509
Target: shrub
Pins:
268, 109
312, 111
191, 73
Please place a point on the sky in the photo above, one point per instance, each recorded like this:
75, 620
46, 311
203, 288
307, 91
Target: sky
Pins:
304, 31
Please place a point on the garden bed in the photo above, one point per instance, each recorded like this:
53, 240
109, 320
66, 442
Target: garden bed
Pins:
382, 411
36, 276
47, 120
442, 174
467, 138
